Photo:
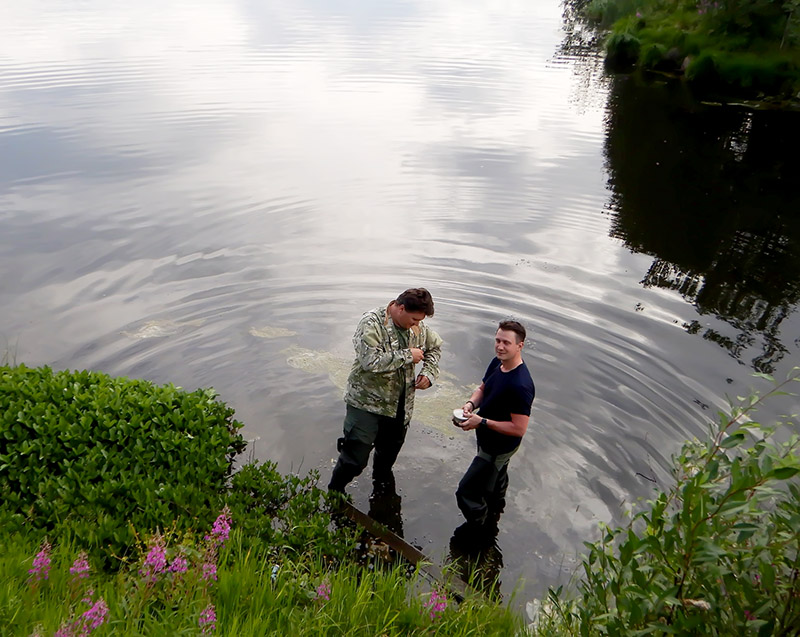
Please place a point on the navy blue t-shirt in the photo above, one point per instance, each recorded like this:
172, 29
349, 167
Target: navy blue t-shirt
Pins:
504, 393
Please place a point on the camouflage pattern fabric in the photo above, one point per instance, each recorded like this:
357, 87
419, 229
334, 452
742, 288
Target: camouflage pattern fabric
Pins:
382, 366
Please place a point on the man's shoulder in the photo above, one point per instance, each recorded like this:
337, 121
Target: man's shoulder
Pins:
526, 380
525, 371
375, 315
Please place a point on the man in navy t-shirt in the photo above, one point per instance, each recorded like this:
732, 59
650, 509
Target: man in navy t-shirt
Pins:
504, 404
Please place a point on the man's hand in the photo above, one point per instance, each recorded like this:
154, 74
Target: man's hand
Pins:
467, 408
417, 354
473, 422
423, 382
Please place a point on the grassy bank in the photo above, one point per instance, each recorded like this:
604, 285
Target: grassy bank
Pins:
256, 552
255, 593
747, 48
120, 514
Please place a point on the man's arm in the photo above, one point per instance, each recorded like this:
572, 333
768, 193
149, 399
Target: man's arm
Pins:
474, 400
430, 362
368, 342
517, 426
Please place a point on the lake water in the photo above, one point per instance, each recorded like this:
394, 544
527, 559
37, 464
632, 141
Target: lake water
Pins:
211, 193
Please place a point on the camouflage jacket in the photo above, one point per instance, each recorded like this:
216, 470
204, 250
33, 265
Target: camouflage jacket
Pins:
382, 365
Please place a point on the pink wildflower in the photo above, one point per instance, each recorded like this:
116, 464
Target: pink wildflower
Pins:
221, 529
749, 616
96, 616
156, 560
41, 563
64, 631
208, 620
80, 567
179, 565
436, 604
324, 591
209, 571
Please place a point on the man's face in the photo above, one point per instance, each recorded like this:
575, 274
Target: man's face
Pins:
405, 319
505, 345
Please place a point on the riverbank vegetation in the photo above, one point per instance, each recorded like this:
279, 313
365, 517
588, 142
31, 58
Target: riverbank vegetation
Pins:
749, 48
256, 552
121, 514
718, 553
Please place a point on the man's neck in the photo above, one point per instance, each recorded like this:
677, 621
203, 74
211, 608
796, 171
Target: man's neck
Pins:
508, 365
391, 309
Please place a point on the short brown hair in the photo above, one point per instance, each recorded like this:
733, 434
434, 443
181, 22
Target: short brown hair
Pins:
416, 300
514, 326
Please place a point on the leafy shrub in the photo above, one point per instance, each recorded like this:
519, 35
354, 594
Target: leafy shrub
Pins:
752, 42
703, 69
653, 55
717, 554
622, 49
288, 513
100, 454
606, 12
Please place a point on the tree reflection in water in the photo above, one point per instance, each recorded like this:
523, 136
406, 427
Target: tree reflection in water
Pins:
709, 192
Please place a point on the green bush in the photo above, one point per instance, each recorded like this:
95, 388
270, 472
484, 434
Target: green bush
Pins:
288, 513
744, 47
717, 554
653, 55
622, 49
108, 456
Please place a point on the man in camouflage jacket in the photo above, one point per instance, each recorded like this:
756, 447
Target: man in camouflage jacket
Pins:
389, 342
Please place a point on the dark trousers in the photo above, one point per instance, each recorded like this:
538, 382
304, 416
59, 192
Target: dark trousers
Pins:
482, 490
364, 431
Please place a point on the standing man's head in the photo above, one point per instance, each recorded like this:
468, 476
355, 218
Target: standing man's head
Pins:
509, 341
411, 307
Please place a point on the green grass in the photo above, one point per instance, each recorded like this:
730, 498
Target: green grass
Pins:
251, 597
747, 49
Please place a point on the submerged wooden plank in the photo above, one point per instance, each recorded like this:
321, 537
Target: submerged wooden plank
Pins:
410, 553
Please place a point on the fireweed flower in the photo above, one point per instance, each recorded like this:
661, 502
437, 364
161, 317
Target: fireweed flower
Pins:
80, 567
41, 563
208, 619
94, 617
221, 529
210, 570
324, 591
179, 565
436, 604
156, 560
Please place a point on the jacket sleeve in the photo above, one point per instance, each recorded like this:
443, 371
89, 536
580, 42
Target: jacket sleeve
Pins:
374, 352
433, 352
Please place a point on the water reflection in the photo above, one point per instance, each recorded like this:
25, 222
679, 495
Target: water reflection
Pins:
476, 556
707, 192
385, 504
